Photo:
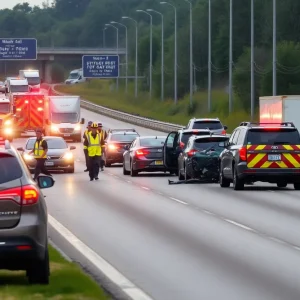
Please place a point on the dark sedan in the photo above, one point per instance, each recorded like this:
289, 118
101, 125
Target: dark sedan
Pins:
145, 154
59, 155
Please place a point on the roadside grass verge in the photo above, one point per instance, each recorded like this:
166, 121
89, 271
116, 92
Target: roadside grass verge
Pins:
67, 282
101, 92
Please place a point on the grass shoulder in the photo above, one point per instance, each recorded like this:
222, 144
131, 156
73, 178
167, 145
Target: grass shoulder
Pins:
67, 282
102, 92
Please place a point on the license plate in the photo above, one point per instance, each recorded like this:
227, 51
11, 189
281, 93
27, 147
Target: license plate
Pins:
159, 162
67, 134
274, 157
49, 163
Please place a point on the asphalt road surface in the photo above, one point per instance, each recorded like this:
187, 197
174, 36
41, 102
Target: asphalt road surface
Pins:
193, 241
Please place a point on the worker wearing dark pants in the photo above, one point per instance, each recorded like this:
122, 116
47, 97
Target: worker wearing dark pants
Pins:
103, 138
85, 150
93, 143
40, 150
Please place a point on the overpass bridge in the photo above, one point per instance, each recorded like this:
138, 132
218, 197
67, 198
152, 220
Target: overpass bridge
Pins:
48, 54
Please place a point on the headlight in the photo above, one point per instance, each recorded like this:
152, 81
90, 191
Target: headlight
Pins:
7, 122
54, 128
68, 156
77, 128
28, 157
8, 131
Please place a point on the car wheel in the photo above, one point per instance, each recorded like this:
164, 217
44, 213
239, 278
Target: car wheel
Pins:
282, 184
224, 182
39, 272
238, 184
125, 172
71, 170
133, 173
297, 186
107, 165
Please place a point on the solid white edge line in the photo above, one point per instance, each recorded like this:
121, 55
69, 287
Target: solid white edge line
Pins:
108, 270
239, 225
179, 201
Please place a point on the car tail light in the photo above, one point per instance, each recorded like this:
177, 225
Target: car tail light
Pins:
181, 145
223, 132
243, 153
24, 247
192, 152
26, 195
112, 147
140, 153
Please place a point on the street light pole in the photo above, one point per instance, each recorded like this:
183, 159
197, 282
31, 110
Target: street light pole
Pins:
117, 29
175, 51
191, 52
162, 51
252, 62
230, 58
136, 54
151, 56
126, 57
274, 50
209, 56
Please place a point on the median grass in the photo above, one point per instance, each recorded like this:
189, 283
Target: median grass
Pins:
67, 282
102, 92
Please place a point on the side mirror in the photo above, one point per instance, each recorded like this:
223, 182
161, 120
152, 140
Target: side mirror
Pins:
225, 127
21, 149
72, 147
126, 147
45, 182
14, 110
82, 121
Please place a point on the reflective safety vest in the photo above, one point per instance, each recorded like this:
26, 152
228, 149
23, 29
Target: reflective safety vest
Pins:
86, 134
38, 149
102, 132
94, 145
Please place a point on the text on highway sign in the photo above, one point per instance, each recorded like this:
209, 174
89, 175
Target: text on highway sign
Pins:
18, 49
100, 66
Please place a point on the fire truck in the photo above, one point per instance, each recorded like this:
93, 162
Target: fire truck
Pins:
7, 119
29, 112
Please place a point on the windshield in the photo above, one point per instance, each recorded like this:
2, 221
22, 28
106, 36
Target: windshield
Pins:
210, 143
123, 137
153, 142
212, 125
73, 75
4, 108
271, 137
52, 144
19, 88
185, 136
59, 118
33, 80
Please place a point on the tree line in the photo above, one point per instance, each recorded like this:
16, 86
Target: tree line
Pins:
80, 23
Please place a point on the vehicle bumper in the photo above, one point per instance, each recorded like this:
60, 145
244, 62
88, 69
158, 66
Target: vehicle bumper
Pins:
57, 164
206, 167
148, 166
114, 157
268, 175
71, 136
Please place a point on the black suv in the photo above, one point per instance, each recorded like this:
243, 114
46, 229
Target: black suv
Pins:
23, 217
212, 124
261, 152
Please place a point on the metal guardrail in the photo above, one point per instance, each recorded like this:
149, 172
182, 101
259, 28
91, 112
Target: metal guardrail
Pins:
128, 118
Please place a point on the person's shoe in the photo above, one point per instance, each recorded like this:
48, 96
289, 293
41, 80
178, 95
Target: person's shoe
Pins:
97, 178
102, 169
86, 170
91, 179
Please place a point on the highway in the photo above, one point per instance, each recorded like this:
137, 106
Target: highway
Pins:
193, 241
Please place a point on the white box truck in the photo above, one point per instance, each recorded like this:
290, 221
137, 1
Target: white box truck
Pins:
278, 109
33, 78
62, 114
75, 76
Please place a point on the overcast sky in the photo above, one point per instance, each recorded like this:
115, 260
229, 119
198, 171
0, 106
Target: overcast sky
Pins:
12, 3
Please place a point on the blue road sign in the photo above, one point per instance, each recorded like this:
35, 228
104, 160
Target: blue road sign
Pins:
100, 66
18, 49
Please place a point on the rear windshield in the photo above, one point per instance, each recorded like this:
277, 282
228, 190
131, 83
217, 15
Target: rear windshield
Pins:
210, 143
212, 125
272, 137
123, 137
186, 135
19, 88
52, 144
9, 168
151, 142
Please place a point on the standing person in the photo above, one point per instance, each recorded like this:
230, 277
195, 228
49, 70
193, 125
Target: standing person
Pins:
103, 138
85, 150
39, 151
93, 143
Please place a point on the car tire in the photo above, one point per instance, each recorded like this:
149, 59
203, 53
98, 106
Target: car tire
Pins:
224, 182
71, 170
238, 184
107, 165
282, 184
125, 172
39, 271
297, 186
133, 173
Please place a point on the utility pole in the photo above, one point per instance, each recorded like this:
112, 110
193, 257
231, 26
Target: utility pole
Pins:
274, 50
252, 62
209, 57
230, 58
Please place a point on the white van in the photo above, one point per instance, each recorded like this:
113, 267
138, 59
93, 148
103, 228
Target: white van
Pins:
33, 78
75, 76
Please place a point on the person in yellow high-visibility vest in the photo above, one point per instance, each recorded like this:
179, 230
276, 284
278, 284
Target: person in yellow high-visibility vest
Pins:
85, 150
93, 143
103, 138
39, 151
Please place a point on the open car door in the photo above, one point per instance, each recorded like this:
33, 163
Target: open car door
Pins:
170, 154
